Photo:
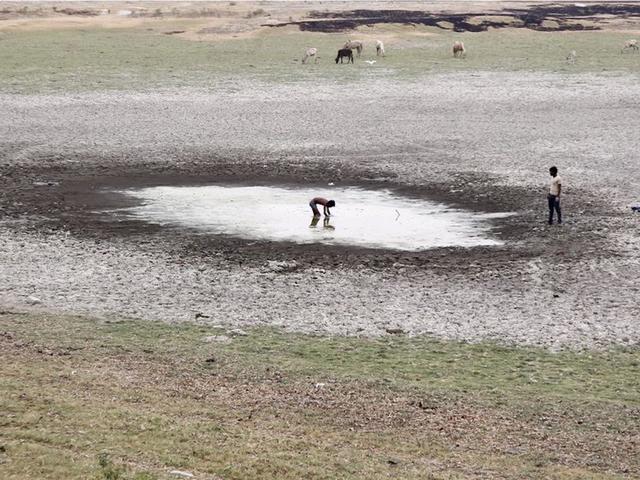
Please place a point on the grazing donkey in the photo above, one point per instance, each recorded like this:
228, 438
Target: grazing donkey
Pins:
379, 49
345, 52
311, 52
458, 50
630, 45
357, 45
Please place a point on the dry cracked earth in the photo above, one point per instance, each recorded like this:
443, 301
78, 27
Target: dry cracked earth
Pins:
482, 141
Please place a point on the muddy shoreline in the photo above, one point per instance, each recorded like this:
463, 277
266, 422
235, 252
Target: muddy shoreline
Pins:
83, 202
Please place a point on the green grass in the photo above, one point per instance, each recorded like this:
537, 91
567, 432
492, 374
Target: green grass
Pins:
140, 59
419, 362
83, 398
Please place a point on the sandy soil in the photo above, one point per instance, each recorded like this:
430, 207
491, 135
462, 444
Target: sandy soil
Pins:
481, 141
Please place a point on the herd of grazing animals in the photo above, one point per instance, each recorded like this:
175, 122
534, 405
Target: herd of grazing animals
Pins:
346, 52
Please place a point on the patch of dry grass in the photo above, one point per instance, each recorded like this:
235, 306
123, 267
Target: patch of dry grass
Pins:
88, 399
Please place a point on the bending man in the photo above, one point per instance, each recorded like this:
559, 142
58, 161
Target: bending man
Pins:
326, 204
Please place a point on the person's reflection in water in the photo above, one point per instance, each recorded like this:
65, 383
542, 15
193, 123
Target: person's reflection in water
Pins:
325, 224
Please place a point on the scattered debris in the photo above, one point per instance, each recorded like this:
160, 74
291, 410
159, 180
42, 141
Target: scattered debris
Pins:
202, 315
394, 331
427, 405
174, 32
217, 339
181, 474
237, 332
33, 300
45, 184
281, 266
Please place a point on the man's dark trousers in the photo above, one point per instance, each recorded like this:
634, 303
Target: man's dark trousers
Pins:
554, 203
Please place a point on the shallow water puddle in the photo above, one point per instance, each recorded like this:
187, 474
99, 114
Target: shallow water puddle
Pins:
365, 218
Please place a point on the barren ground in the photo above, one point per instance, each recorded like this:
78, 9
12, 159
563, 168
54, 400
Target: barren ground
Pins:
482, 141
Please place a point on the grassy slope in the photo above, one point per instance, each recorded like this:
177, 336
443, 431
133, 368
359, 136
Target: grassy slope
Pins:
97, 59
155, 397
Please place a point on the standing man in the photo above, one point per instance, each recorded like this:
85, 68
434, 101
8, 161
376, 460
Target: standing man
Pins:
555, 188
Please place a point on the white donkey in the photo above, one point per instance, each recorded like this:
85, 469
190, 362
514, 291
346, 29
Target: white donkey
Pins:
379, 48
311, 52
630, 45
458, 50
357, 45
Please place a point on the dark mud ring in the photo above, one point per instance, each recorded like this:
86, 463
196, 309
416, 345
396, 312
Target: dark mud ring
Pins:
566, 16
81, 200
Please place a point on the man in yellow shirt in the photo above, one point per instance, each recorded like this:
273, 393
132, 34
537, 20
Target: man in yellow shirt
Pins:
553, 197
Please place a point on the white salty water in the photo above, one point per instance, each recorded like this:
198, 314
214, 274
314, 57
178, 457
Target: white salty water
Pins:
364, 218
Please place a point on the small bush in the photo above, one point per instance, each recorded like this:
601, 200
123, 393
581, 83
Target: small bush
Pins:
108, 470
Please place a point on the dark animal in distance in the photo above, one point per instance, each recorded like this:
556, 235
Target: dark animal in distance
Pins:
345, 52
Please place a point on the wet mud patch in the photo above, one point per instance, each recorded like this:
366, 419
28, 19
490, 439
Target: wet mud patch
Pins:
81, 201
558, 17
